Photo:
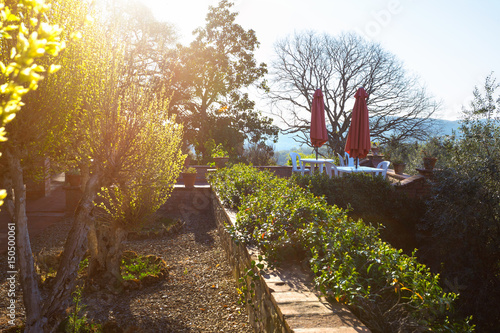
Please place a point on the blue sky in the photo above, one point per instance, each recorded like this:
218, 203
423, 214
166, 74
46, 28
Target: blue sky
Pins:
450, 45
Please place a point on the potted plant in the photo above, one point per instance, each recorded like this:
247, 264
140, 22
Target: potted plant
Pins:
399, 166
220, 156
429, 161
73, 177
189, 177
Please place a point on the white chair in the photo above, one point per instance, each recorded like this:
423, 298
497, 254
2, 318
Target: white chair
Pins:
349, 160
329, 167
297, 165
341, 160
383, 165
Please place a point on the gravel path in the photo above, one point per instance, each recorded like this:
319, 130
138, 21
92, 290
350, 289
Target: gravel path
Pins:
199, 296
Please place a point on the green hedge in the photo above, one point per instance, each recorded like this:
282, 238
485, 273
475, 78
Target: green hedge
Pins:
374, 200
390, 291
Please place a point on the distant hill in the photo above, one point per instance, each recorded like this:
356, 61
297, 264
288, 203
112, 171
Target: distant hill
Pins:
447, 126
287, 142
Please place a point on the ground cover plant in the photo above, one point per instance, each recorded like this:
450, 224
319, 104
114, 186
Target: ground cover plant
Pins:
390, 291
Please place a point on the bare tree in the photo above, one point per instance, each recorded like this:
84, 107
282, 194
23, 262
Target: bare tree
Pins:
398, 106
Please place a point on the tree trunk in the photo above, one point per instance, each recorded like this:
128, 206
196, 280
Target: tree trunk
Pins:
9, 200
31, 293
105, 260
74, 251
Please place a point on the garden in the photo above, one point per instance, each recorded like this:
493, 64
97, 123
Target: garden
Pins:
106, 94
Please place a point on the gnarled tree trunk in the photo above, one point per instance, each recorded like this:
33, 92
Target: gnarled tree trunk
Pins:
105, 255
74, 251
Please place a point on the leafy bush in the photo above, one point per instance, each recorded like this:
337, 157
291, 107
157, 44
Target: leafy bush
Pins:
275, 216
390, 291
374, 200
460, 234
238, 182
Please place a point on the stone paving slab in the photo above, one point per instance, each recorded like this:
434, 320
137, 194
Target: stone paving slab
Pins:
295, 296
304, 308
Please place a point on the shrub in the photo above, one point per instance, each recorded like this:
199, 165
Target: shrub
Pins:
460, 234
275, 216
238, 182
374, 200
390, 291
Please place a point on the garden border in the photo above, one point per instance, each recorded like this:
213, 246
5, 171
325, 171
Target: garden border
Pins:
284, 300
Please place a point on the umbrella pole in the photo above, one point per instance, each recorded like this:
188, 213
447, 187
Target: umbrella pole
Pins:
357, 162
316, 148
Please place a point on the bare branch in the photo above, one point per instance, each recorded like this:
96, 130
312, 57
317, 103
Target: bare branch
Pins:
306, 61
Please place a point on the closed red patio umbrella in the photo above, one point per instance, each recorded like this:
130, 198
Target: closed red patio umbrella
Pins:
358, 139
318, 133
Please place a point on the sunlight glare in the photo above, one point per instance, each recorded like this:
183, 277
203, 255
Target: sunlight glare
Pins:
186, 16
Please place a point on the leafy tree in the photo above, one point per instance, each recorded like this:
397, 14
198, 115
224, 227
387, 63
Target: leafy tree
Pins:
35, 38
147, 42
340, 65
487, 105
138, 172
460, 236
120, 131
209, 84
259, 154
20, 74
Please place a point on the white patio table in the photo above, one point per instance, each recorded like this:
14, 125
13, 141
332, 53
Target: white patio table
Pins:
351, 169
313, 162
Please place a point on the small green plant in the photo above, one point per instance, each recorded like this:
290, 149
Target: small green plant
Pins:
83, 265
76, 322
248, 282
247, 289
190, 170
219, 151
139, 267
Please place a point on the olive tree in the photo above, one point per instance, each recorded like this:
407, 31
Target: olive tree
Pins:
338, 65
116, 130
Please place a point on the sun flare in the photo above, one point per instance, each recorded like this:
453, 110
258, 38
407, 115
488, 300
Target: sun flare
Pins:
184, 15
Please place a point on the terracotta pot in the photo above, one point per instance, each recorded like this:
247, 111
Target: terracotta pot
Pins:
399, 168
429, 163
220, 162
189, 179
